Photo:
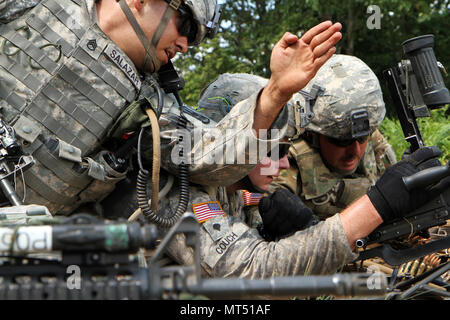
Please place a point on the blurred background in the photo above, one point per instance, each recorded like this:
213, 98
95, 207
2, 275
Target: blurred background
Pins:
372, 31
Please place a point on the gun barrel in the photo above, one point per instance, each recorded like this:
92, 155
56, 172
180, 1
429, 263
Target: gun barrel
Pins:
115, 237
426, 177
348, 284
361, 243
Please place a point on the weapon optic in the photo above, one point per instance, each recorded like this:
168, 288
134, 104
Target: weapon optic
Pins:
416, 85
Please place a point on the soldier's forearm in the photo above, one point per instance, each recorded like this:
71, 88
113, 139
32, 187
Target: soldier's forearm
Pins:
359, 219
269, 104
320, 249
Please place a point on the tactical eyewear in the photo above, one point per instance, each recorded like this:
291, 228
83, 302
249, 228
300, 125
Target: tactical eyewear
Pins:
346, 142
283, 150
186, 25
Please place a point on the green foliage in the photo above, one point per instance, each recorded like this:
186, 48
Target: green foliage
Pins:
435, 132
250, 28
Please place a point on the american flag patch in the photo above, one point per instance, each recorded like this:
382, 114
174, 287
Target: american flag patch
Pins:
206, 210
251, 199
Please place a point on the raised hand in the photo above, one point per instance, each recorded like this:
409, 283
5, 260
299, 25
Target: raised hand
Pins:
294, 62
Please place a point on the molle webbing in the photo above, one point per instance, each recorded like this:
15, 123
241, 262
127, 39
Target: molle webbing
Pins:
50, 35
64, 17
61, 84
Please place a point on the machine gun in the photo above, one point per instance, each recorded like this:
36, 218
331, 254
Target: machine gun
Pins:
416, 85
85, 258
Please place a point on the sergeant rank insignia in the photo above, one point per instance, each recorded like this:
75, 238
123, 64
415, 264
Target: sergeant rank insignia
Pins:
206, 210
251, 198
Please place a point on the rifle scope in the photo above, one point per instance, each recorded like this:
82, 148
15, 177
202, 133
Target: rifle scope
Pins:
424, 65
105, 237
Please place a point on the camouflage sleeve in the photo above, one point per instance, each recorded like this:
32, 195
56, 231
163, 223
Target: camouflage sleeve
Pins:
11, 9
225, 153
384, 154
229, 248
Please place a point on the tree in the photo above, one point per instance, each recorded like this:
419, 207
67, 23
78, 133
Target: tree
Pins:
250, 28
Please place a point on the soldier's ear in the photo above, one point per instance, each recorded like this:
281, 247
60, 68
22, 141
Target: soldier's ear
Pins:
138, 4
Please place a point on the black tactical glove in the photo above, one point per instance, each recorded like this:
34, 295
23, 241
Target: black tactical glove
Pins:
389, 194
283, 213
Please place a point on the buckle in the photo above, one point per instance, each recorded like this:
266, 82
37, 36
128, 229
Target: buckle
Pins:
212, 25
360, 123
175, 4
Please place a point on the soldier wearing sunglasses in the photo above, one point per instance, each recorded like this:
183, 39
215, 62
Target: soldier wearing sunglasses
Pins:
75, 74
285, 239
342, 153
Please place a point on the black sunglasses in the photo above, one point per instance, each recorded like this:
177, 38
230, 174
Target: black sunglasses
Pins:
346, 142
186, 25
283, 149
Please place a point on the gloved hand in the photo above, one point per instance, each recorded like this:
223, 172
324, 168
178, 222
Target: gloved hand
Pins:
389, 194
283, 213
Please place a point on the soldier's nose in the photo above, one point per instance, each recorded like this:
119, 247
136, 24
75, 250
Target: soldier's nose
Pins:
354, 148
283, 163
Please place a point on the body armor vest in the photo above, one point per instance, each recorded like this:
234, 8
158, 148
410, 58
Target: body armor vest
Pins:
326, 192
63, 83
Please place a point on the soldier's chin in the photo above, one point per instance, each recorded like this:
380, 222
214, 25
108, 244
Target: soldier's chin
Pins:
347, 169
346, 172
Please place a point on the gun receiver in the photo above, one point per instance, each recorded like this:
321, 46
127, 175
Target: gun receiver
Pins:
120, 274
416, 85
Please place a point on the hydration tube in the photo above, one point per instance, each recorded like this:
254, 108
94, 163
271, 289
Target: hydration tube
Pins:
141, 185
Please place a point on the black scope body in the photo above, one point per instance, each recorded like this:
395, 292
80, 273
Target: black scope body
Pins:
104, 237
419, 51
98, 237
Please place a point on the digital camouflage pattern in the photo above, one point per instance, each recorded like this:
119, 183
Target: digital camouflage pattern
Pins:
204, 15
229, 247
230, 102
61, 93
217, 99
71, 98
211, 163
349, 85
10, 9
327, 192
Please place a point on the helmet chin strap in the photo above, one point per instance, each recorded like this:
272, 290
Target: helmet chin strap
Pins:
150, 47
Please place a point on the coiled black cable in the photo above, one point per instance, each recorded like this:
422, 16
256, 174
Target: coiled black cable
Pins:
143, 175
183, 173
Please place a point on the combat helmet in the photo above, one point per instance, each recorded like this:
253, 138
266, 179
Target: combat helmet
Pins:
217, 99
352, 104
206, 14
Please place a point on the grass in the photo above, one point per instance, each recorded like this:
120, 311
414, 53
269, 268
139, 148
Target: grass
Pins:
435, 132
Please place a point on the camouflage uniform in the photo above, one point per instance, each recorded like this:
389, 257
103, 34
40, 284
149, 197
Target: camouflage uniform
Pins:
64, 84
350, 86
229, 247
11, 9
230, 244
327, 192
